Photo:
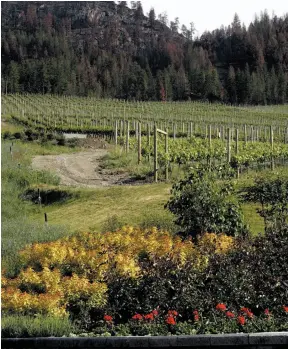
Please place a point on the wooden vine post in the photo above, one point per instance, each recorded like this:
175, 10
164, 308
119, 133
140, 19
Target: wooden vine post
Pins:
148, 139
127, 136
139, 142
237, 150
166, 151
210, 145
191, 129
272, 147
116, 132
229, 146
155, 155
245, 133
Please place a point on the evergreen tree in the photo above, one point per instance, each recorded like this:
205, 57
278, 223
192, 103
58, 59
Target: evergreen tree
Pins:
231, 85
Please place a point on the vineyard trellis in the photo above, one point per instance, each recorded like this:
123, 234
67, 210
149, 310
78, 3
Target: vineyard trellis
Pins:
197, 131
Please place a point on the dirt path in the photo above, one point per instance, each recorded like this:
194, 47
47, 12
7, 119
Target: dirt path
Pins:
79, 169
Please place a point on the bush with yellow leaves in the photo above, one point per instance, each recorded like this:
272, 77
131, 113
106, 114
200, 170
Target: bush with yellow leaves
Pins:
76, 271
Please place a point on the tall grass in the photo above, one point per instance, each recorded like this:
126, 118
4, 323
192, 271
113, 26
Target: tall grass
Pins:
14, 326
17, 229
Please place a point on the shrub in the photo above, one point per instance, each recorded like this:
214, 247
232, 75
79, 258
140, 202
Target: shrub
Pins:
272, 194
112, 223
7, 135
60, 139
19, 135
203, 204
72, 142
252, 274
31, 135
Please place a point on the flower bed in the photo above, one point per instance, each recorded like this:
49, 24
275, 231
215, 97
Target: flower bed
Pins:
147, 282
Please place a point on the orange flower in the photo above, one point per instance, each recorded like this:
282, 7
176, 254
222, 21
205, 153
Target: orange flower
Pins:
247, 311
108, 318
230, 314
149, 317
170, 320
241, 320
137, 317
285, 308
172, 312
221, 306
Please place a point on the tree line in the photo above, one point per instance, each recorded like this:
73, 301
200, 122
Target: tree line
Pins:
109, 50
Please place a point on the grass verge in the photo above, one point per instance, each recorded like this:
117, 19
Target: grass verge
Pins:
14, 326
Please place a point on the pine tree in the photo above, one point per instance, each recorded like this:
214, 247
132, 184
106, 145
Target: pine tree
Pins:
231, 85
152, 17
13, 77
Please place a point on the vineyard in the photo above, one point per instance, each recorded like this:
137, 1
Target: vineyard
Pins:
196, 132
87, 114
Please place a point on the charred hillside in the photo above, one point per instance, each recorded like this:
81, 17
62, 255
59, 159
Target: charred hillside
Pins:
109, 50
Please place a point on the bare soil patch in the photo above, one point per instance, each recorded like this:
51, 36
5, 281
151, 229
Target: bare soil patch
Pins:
80, 169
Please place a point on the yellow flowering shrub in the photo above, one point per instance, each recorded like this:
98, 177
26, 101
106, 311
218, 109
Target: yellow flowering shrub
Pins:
77, 268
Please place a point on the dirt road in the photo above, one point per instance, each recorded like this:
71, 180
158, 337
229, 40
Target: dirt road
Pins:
79, 169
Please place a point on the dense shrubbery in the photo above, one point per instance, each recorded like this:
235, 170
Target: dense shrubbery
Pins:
131, 272
72, 275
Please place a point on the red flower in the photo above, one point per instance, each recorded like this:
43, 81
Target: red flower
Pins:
155, 312
149, 317
170, 320
247, 311
285, 308
241, 320
230, 314
221, 307
137, 317
250, 314
267, 312
196, 315
108, 318
172, 312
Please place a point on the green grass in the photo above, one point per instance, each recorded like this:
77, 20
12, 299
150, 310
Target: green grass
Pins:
15, 326
88, 209
93, 207
18, 229
132, 205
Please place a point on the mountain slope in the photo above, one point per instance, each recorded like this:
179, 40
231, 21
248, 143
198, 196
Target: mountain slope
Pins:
109, 50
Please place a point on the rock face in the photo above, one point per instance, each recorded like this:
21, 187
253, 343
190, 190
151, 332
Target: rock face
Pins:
94, 21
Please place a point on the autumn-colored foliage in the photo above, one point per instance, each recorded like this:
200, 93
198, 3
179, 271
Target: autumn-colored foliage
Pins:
64, 272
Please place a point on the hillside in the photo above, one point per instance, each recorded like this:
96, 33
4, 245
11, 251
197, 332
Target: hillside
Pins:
108, 50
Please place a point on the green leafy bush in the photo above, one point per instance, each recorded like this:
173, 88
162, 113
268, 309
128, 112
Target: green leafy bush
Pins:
272, 193
203, 203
